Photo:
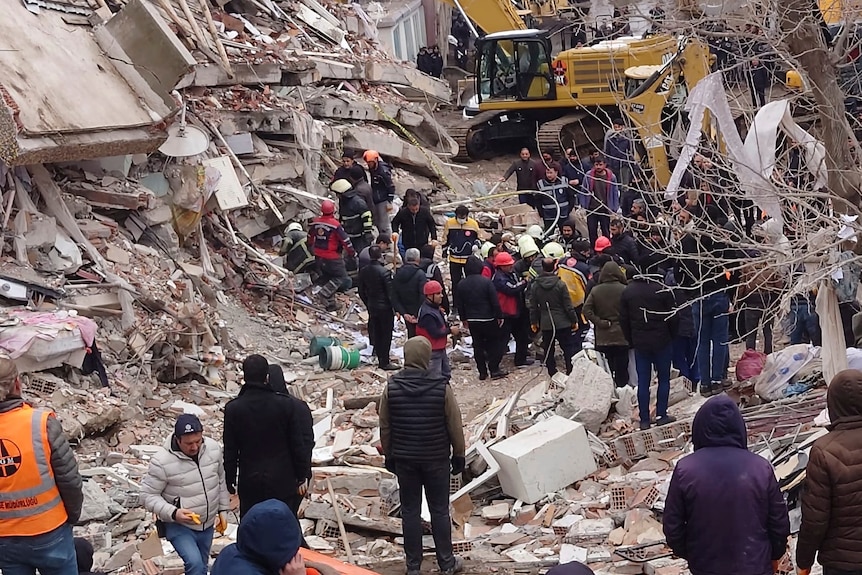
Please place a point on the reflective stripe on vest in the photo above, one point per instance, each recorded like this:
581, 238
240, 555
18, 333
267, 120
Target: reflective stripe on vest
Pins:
30, 503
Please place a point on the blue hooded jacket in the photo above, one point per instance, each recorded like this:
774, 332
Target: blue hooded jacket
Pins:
724, 512
268, 538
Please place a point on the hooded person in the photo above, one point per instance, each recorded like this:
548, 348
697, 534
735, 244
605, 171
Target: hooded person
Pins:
830, 502
422, 436
724, 512
552, 313
602, 309
267, 542
84, 557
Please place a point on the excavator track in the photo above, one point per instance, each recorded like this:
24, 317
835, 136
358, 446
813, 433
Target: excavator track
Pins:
578, 130
462, 133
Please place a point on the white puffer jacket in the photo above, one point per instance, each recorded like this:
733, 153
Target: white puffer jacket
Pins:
199, 485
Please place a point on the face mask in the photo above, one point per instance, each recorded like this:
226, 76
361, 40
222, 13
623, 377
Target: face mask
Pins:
461, 221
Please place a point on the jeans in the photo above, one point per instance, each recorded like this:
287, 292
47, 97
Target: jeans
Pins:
617, 357
380, 324
685, 358
595, 221
804, 323
439, 364
644, 362
380, 217
434, 477
711, 325
570, 343
52, 553
486, 346
192, 546
848, 310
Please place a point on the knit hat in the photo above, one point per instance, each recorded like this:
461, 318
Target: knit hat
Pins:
417, 352
187, 423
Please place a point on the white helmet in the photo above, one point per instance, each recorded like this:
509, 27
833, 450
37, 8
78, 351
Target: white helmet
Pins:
535, 231
553, 250
486, 249
294, 227
527, 246
340, 186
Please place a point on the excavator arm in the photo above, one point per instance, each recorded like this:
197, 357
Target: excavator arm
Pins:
490, 15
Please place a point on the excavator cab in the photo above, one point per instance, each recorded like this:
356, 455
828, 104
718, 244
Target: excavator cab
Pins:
515, 66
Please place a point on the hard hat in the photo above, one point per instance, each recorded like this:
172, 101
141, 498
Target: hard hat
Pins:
340, 186
486, 249
553, 250
294, 227
602, 243
327, 208
504, 259
453, 41
527, 246
432, 287
370, 156
535, 231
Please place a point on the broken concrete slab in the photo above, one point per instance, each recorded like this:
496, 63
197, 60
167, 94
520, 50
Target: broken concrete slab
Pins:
588, 393
497, 512
98, 506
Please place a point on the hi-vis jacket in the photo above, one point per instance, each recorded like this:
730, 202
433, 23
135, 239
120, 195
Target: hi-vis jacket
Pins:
31, 502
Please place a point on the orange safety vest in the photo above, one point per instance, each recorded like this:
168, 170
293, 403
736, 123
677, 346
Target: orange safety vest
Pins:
30, 502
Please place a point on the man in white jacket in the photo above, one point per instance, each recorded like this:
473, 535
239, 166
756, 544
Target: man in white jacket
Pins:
185, 488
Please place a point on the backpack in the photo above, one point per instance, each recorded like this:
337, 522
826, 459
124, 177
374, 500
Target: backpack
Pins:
431, 270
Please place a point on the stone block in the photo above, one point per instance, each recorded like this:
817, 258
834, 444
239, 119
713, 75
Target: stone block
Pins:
587, 395
543, 459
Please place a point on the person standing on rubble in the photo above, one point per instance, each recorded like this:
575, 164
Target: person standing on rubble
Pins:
295, 246
724, 512
385, 245
359, 180
460, 236
432, 324
510, 292
354, 215
422, 439
552, 313
407, 290
480, 311
600, 197
328, 241
416, 224
525, 170
375, 289
348, 161
185, 488
39, 484
382, 189
830, 503
262, 441
602, 308
562, 197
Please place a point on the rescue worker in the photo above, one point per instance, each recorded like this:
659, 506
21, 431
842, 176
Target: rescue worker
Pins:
382, 190
295, 246
460, 236
562, 195
354, 214
359, 180
40, 487
432, 324
525, 170
552, 313
375, 289
510, 292
185, 488
328, 240
423, 441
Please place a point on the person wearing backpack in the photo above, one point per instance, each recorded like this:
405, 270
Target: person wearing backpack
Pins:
433, 272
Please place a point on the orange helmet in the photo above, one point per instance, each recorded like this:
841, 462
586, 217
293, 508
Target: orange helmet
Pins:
327, 208
504, 259
370, 156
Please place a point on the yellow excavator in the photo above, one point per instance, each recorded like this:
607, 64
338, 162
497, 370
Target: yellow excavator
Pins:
654, 100
526, 94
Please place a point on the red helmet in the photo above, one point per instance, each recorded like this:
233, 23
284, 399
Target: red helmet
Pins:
504, 259
432, 287
327, 208
602, 243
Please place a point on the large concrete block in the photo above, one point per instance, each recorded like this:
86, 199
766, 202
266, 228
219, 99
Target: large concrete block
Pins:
544, 458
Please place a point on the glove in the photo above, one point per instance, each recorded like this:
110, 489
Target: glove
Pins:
535, 328
458, 465
389, 464
221, 523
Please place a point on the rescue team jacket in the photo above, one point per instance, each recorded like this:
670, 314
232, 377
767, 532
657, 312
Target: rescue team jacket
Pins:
564, 195
32, 450
328, 239
382, 187
175, 480
459, 239
355, 214
432, 325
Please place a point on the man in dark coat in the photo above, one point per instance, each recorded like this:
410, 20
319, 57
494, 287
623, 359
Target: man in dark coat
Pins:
623, 243
375, 289
511, 292
407, 295
479, 309
262, 441
831, 506
416, 224
758, 82
526, 171
354, 215
648, 323
724, 512
552, 313
421, 435
602, 308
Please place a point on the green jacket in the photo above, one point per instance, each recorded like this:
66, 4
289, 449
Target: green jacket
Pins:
602, 307
550, 304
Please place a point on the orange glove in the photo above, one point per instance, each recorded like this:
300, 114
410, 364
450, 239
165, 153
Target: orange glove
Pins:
535, 328
803, 571
221, 524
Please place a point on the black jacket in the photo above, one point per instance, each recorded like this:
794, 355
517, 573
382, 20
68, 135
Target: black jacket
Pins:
416, 229
375, 287
304, 419
645, 314
550, 304
382, 187
63, 463
477, 296
263, 440
407, 286
625, 246
354, 214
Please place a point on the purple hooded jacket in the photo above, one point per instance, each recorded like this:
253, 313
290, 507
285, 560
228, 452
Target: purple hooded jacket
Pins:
724, 513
